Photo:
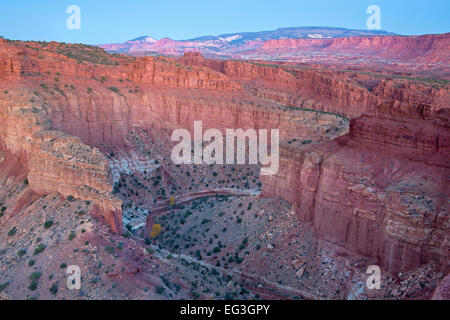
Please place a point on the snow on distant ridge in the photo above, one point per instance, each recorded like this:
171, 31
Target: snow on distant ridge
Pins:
231, 38
317, 36
150, 39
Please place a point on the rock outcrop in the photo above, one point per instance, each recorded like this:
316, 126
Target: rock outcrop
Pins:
62, 163
442, 292
427, 46
57, 162
382, 190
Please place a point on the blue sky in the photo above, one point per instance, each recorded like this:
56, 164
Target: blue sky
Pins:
105, 21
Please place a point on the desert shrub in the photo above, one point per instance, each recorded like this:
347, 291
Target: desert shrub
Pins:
21, 252
3, 286
33, 285
48, 224
156, 230
54, 289
72, 235
109, 249
12, 232
35, 276
159, 289
39, 249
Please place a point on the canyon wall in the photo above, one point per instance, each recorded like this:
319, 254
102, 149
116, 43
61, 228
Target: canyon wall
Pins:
407, 46
323, 89
21, 61
56, 162
382, 190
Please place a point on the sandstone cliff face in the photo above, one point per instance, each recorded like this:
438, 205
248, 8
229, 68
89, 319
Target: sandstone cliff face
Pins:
322, 89
63, 164
382, 190
18, 62
56, 162
427, 48
394, 43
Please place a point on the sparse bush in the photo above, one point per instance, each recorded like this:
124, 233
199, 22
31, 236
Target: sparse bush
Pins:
40, 248
54, 289
72, 235
35, 276
12, 232
195, 295
33, 285
48, 224
156, 230
109, 250
21, 252
3, 286
160, 290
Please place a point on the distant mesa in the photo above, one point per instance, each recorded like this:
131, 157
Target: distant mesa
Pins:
318, 45
236, 42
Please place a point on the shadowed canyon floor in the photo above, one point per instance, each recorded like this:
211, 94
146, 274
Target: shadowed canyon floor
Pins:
86, 178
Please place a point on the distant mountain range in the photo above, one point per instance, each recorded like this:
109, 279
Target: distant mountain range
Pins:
322, 45
228, 45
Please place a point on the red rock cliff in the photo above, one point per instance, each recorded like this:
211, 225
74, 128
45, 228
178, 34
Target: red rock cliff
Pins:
382, 190
430, 47
56, 162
